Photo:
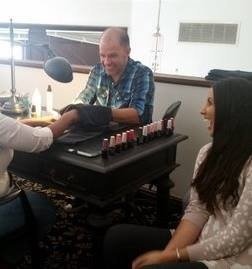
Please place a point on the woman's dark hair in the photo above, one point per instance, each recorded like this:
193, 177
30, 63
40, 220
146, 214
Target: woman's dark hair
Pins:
217, 178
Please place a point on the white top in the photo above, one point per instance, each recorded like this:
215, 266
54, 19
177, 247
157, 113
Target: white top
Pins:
226, 238
17, 136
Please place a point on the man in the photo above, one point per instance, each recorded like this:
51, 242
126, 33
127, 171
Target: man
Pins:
119, 83
118, 89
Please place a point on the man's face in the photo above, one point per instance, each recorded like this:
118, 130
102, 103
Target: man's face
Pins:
114, 58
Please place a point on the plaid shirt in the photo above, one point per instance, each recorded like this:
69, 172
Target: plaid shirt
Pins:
134, 89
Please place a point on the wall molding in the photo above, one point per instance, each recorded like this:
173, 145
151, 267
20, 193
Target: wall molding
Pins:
159, 77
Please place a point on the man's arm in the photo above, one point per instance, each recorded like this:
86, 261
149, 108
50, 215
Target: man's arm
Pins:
125, 115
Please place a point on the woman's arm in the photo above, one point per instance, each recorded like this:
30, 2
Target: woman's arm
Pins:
18, 136
39, 121
64, 122
187, 233
57, 126
235, 236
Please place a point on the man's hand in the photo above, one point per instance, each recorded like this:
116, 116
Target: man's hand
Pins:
90, 116
39, 121
70, 107
154, 257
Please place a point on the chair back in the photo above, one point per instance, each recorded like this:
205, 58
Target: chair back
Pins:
172, 110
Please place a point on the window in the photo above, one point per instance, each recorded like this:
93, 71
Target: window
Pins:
5, 49
37, 42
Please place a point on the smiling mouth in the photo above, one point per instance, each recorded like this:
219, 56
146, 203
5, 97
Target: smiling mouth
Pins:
208, 122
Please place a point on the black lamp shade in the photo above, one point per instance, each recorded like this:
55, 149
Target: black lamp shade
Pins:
59, 69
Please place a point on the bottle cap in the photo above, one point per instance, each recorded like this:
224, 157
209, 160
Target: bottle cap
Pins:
49, 88
33, 108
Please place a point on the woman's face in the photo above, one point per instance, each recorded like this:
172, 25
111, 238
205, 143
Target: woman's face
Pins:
208, 111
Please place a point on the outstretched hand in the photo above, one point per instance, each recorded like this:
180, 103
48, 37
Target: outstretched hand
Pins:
151, 257
39, 121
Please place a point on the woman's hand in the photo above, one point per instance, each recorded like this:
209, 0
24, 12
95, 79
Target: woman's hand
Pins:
39, 121
154, 257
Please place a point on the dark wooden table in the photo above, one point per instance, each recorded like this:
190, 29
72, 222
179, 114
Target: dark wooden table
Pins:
96, 180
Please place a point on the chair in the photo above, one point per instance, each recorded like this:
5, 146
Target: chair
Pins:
25, 218
172, 110
163, 185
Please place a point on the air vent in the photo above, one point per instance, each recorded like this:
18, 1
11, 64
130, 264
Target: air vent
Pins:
208, 32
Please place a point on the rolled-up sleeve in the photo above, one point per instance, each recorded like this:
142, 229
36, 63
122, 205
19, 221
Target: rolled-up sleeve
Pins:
143, 93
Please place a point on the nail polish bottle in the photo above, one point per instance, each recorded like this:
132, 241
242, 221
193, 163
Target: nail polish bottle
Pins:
140, 136
118, 143
105, 148
124, 141
112, 145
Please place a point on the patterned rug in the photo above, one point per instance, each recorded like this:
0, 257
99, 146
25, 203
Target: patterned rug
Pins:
71, 242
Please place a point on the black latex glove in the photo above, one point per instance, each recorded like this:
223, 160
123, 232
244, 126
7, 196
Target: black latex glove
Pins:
91, 116
70, 107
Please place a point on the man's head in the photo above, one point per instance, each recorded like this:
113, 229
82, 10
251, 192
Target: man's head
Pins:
114, 51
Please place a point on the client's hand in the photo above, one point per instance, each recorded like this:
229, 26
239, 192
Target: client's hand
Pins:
39, 121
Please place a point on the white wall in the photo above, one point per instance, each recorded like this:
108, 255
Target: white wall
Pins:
141, 18
188, 120
78, 12
192, 58
27, 79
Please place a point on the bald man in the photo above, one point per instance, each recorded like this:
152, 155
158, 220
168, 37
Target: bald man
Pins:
119, 83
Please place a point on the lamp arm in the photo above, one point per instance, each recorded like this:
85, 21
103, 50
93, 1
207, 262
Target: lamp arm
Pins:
13, 86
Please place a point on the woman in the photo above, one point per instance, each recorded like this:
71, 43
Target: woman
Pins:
216, 229
15, 135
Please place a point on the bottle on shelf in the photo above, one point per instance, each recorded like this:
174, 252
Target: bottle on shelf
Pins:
49, 99
36, 101
33, 111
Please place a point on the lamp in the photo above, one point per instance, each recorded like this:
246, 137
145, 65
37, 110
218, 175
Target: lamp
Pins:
13, 105
58, 68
